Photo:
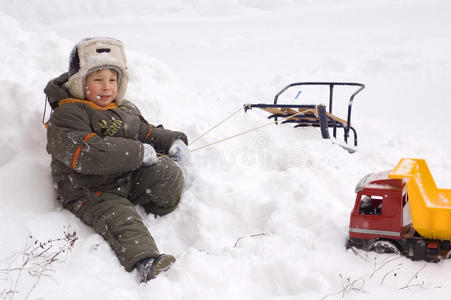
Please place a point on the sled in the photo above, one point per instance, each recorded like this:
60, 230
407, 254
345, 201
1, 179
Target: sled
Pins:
316, 115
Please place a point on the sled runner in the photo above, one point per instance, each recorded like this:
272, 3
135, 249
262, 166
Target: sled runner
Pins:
316, 115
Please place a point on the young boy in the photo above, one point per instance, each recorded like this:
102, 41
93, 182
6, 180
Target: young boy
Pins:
104, 155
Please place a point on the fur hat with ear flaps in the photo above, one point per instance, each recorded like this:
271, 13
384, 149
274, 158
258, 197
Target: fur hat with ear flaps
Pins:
95, 54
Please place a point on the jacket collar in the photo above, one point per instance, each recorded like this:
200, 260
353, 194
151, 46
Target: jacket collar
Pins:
112, 105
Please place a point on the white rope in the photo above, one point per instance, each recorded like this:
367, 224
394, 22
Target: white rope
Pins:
230, 137
245, 132
217, 125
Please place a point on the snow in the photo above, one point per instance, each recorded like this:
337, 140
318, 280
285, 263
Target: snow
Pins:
264, 215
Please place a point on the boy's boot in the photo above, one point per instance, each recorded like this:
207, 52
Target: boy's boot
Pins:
149, 268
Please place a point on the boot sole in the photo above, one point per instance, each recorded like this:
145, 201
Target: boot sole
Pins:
161, 264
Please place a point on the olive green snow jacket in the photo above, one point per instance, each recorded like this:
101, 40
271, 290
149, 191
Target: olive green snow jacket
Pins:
95, 148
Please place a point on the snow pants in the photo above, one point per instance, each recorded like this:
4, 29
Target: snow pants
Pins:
112, 214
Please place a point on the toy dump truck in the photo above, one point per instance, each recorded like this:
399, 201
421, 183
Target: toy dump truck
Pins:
402, 211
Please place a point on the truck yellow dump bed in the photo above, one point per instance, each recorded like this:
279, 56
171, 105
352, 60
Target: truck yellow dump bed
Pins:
430, 206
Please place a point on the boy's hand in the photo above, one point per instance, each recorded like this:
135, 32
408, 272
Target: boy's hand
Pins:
150, 155
179, 151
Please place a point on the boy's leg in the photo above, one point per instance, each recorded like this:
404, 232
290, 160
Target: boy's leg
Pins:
158, 187
117, 220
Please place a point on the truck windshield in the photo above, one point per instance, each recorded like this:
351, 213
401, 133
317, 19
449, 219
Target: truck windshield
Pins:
370, 205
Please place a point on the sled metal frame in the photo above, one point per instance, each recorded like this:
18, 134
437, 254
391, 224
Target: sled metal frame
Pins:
313, 115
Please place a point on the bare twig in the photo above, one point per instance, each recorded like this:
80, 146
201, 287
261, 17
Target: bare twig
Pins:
384, 263
393, 270
348, 285
414, 276
251, 236
359, 252
37, 261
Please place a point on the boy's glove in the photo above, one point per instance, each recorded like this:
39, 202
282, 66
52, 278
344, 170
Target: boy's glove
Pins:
179, 151
150, 155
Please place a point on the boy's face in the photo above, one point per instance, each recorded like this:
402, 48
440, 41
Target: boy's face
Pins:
101, 87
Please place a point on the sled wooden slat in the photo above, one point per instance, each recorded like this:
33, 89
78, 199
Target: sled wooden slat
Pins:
310, 114
280, 112
308, 111
289, 111
273, 110
345, 124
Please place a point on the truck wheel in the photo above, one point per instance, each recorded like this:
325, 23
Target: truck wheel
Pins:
382, 246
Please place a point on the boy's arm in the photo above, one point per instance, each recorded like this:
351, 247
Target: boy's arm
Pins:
70, 140
160, 138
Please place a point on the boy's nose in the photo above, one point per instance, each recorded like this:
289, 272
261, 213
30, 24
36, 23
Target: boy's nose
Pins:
107, 85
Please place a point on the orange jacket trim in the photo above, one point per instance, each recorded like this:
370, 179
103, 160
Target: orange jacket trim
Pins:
112, 105
104, 179
78, 150
150, 131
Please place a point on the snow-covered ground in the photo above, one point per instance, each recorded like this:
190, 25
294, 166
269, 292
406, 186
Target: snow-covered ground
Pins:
264, 215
